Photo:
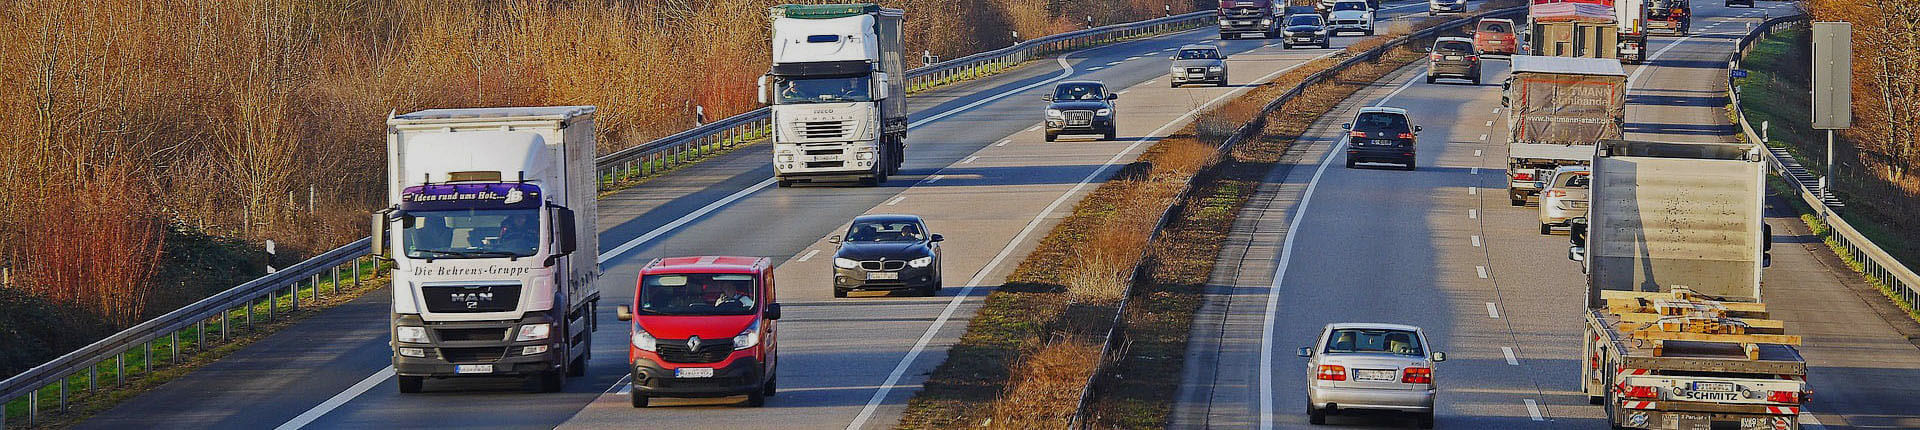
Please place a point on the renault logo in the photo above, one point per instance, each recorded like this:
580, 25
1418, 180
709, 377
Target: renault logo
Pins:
693, 343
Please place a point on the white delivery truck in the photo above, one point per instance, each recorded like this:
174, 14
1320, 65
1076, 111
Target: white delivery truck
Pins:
1557, 108
1631, 28
838, 90
491, 226
1677, 336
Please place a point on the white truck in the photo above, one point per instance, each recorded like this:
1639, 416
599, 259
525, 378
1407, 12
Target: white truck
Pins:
1557, 108
838, 90
494, 250
1677, 336
1631, 30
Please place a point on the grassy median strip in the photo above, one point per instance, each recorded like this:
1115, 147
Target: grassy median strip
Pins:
1029, 351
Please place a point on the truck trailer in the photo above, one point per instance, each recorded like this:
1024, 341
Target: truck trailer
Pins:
1677, 335
1576, 28
491, 225
1557, 108
838, 90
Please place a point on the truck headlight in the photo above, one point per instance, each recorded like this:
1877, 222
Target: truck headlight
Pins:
1103, 112
747, 338
533, 332
1266, 22
413, 352
644, 341
863, 156
410, 334
785, 158
845, 263
1053, 113
920, 262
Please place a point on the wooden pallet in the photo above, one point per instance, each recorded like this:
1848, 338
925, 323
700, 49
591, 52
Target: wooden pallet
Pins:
1683, 316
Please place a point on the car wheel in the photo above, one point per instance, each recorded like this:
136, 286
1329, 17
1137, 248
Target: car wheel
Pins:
1546, 229
1228, 36
1430, 79
1316, 416
1476, 78
1113, 133
768, 389
756, 399
839, 293
1411, 164
1173, 83
411, 384
1369, 32
1284, 45
1426, 420
1051, 136
639, 401
1350, 163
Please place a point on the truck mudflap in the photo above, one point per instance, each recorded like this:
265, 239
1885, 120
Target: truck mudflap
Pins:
1644, 415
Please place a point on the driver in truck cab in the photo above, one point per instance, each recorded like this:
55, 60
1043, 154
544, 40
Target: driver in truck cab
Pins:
519, 232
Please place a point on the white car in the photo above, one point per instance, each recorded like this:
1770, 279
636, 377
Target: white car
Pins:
1564, 198
1350, 15
1373, 367
1446, 6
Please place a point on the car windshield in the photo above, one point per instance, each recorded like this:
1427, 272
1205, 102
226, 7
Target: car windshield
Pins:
1495, 27
1079, 92
697, 294
1381, 122
1453, 46
1351, 5
885, 231
1574, 180
1400, 342
1199, 54
471, 233
822, 90
1304, 20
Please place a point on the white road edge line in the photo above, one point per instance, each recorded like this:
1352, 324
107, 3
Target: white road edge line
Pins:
338, 399
1508, 351
1493, 311
1004, 142
1533, 410
934, 178
970, 159
808, 256
1280, 274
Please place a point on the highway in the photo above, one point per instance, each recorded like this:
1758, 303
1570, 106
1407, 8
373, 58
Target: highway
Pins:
977, 169
1441, 248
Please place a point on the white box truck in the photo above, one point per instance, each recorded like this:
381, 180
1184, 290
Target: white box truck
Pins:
491, 226
838, 90
1557, 108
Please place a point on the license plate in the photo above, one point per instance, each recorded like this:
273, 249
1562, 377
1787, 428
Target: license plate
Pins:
1373, 375
1579, 205
883, 275
693, 372
1453, 57
1243, 22
472, 368
1303, 39
1077, 122
1252, 35
1713, 386
834, 157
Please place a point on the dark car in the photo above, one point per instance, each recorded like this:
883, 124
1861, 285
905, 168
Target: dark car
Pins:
887, 252
1306, 29
1453, 57
1747, 3
1381, 135
1081, 107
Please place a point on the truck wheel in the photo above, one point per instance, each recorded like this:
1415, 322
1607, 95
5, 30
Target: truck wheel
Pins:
550, 381
1316, 416
411, 384
1546, 229
1519, 201
578, 367
786, 183
756, 399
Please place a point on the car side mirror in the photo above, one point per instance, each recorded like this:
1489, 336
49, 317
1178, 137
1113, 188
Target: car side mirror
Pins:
833, 239
623, 313
1416, 129
1305, 351
1503, 100
1113, 96
1047, 97
1426, 49
1347, 126
937, 237
1439, 357
773, 312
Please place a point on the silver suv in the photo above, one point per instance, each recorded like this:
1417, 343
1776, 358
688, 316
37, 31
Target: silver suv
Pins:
1376, 367
1198, 63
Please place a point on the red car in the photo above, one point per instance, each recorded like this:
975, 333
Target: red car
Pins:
703, 327
1495, 36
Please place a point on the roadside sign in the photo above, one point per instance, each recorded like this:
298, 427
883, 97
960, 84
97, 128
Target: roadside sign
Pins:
1737, 73
1832, 75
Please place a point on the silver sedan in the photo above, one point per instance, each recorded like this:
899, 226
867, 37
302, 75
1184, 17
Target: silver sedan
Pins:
1375, 367
1564, 198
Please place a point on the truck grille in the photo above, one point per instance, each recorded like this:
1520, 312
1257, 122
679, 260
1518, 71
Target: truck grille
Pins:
887, 265
1244, 12
487, 298
825, 129
465, 334
473, 355
711, 350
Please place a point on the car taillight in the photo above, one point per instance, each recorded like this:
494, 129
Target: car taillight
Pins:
1406, 135
1357, 134
1641, 392
1473, 58
1417, 375
1522, 176
1332, 373
1434, 56
1784, 397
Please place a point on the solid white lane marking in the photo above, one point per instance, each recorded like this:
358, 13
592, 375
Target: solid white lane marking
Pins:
1004, 142
935, 178
1473, 190
1280, 275
970, 159
1492, 311
896, 200
1533, 410
1034, 127
1482, 270
1473, 213
1508, 351
808, 255
338, 399
1476, 241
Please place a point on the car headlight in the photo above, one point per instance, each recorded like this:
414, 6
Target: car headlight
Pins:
747, 338
1103, 112
1053, 113
1213, 68
410, 334
921, 262
643, 340
845, 263
1320, 31
533, 332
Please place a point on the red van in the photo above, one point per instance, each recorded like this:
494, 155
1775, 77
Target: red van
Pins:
1495, 36
703, 327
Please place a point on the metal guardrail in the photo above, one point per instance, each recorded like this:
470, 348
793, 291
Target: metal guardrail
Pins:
1250, 130
668, 152
236, 305
1872, 261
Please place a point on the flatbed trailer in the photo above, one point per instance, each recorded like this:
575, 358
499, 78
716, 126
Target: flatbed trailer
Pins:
1657, 370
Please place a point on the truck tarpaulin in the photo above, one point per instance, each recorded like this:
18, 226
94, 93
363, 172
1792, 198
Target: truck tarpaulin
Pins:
1565, 109
1571, 10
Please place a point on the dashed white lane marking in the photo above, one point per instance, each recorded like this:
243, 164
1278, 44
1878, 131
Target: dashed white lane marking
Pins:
1136, 57
1473, 213
1004, 142
1489, 123
935, 178
1533, 410
1113, 63
1508, 351
896, 200
1474, 171
970, 159
1496, 110
1476, 152
1034, 127
1482, 271
1483, 137
1476, 242
1473, 190
1492, 311
808, 256
1095, 68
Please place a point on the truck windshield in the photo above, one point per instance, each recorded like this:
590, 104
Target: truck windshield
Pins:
471, 233
1399, 342
696, 294
793, 90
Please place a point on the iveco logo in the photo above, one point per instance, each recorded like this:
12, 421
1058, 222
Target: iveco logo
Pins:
693, 343
823, 111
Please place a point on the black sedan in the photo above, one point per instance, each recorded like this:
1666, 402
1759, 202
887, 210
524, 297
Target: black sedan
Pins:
1306, 29
887, 252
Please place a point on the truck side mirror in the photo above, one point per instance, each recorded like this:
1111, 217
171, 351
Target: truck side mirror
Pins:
1305, 351
1577, 232
762, 93
880, 87
379, 233
623, 312
563, 218
773, 312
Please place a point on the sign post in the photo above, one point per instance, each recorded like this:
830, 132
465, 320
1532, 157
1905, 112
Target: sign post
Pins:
1832, 86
